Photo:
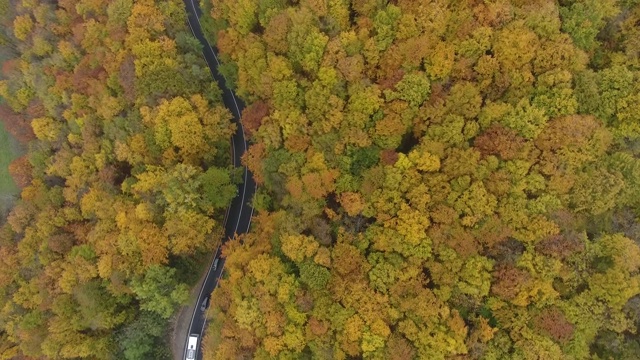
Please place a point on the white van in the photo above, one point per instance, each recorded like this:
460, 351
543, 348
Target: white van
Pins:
192, 347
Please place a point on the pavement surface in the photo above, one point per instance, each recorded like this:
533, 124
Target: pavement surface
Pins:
239, 213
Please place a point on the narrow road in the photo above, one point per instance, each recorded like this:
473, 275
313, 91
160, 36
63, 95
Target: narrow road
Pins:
240, 211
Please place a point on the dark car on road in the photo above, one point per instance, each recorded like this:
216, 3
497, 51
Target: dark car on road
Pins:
205, 304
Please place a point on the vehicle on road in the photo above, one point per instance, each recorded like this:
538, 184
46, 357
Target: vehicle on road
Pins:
240, 211
192, 347
205, 304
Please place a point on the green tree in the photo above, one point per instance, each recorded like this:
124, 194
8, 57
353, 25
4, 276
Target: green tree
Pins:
583, 20
413, 88
218, 188
159, 291
313, 275
140, 338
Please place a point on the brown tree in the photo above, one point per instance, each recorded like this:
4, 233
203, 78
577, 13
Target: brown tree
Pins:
16, 124
508, 280
501, 141
20, 170
252, 116
562, 245
553, 323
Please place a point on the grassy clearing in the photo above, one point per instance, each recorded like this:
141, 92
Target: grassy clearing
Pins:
9, 150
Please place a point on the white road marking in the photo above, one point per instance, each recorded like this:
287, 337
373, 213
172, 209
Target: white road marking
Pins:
244, 140
204, 324
195, 309
246, 172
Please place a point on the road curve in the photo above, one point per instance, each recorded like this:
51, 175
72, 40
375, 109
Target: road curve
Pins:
238, 217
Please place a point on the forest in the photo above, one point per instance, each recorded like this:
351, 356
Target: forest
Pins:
437, 179
125, 182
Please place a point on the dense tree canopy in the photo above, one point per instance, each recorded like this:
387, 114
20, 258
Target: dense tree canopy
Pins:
438, 179
125, 182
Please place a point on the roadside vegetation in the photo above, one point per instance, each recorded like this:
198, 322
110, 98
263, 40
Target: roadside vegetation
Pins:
437, 180
125, 182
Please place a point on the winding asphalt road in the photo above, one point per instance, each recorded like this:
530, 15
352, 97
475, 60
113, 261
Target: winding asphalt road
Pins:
238, 217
